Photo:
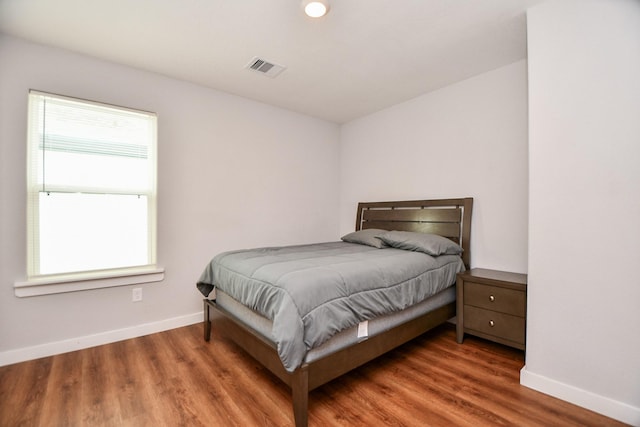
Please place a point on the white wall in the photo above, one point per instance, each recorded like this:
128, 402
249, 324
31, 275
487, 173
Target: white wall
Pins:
583, 336
232, 173
467, 139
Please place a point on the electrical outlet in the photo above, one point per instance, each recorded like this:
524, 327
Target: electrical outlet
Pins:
136, 295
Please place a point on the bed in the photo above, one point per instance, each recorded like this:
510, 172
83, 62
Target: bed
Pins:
367, 294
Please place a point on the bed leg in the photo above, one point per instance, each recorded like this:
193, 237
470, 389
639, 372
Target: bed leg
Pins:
300, 394
207, 320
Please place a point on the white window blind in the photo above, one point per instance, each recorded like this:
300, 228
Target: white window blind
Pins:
92, 186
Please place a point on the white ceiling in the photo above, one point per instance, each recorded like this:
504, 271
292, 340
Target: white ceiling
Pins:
365, 55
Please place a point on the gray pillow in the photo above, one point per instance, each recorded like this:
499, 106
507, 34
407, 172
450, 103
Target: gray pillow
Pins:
431, 244
369, 237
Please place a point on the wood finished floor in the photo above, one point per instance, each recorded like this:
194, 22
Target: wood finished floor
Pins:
174, 378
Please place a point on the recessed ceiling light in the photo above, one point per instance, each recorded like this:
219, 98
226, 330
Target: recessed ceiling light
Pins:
315, 8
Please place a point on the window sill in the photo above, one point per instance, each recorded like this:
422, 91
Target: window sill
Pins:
81, 282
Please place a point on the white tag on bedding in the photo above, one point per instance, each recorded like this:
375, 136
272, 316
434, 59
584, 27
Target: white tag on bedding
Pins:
363, 329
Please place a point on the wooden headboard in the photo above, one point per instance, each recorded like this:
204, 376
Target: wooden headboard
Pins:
450, 218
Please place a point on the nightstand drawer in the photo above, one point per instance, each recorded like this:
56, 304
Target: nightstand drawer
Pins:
493, 323
503, 300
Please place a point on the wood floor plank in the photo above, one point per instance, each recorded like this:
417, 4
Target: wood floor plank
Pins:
97, 392
60, 401
262, 385
174, 378
471, 388
23, 409
214, 378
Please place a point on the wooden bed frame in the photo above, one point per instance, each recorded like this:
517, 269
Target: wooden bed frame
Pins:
447, 217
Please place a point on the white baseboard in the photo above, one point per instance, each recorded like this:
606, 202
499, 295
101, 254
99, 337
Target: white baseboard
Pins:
603, 405
79, 343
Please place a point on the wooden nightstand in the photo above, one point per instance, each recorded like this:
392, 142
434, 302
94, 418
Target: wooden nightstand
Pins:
493, 305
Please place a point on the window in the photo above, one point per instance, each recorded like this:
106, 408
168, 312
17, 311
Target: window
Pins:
91, 189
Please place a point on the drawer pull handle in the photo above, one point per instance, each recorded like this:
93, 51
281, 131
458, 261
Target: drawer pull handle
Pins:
492, 323
492, 298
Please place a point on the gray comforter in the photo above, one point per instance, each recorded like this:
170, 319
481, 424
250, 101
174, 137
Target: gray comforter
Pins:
311, 292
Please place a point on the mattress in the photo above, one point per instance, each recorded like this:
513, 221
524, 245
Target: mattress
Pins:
345, 338
312, 292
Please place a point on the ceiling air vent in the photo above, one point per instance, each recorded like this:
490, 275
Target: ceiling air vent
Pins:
265, 67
